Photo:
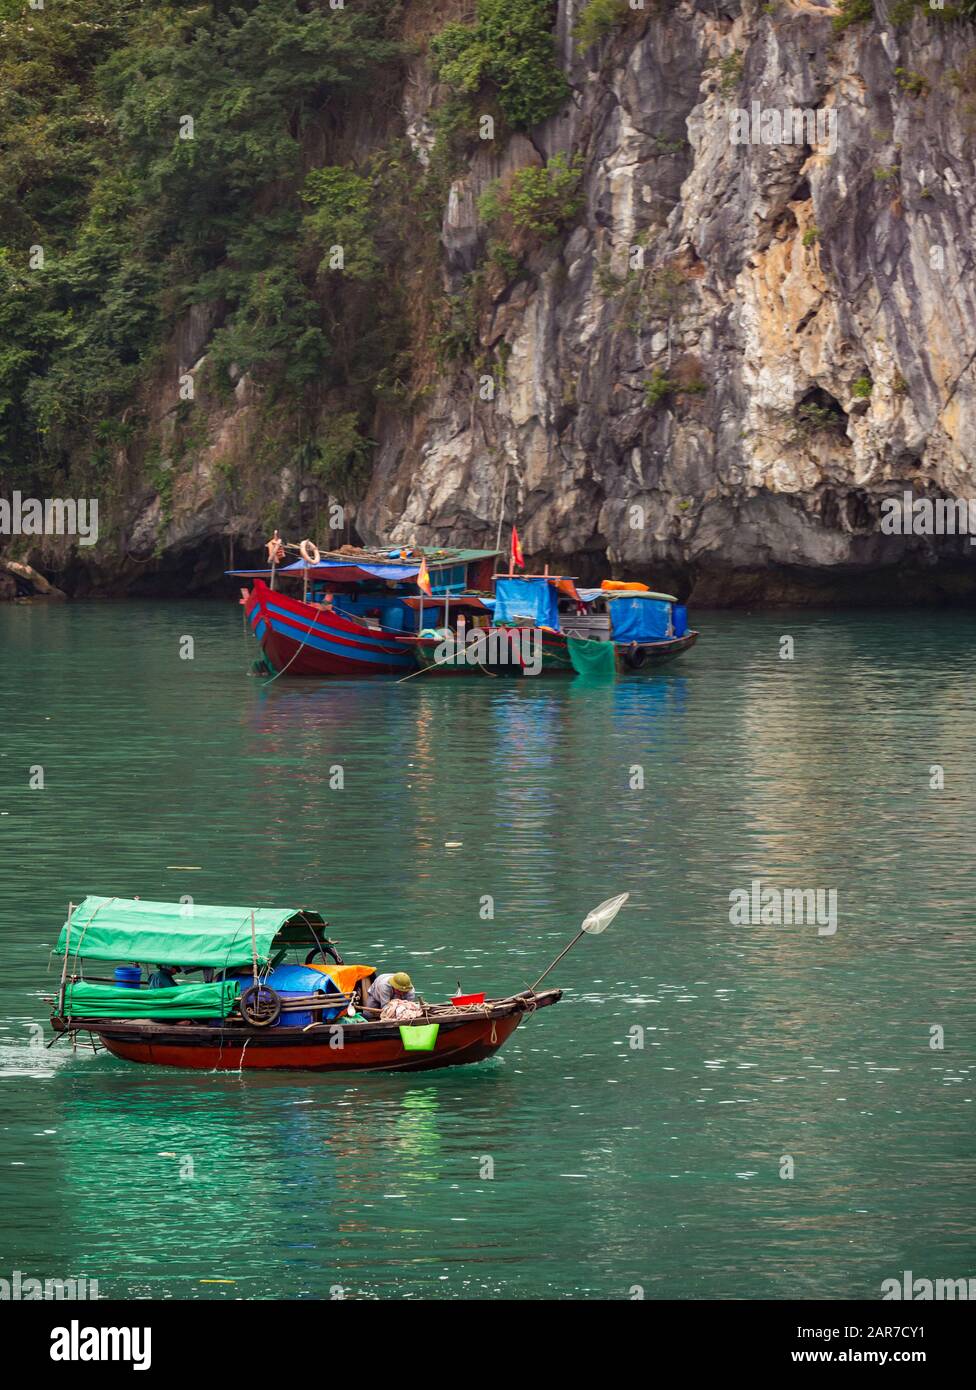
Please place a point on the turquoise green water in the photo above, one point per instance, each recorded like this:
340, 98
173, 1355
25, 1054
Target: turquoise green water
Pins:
613, 1165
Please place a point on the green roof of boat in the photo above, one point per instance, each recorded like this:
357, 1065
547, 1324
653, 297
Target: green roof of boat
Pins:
178, 933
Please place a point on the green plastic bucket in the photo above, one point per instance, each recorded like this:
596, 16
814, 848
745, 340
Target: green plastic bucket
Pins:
419, 1037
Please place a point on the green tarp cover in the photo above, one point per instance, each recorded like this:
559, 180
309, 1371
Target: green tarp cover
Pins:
170, 933
83, 1000
592, 658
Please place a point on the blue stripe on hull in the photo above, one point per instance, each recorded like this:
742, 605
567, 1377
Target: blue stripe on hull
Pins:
312, 639
367, 638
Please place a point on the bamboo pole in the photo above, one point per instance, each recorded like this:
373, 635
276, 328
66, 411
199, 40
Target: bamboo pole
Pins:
577, 937
501, 515
64, 967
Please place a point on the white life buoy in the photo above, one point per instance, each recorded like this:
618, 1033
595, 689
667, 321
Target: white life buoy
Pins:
309, 552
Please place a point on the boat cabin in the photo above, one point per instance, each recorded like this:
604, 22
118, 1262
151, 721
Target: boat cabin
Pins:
189, 961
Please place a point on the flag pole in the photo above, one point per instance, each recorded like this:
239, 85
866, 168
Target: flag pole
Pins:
423, 579
501, 516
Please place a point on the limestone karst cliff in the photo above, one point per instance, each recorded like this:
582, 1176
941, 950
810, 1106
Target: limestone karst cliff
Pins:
706, 361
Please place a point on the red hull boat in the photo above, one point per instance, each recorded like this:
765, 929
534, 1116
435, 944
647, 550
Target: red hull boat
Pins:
468, 1034
355, 605
306, 639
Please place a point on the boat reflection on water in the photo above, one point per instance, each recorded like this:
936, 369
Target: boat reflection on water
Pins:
291, 1188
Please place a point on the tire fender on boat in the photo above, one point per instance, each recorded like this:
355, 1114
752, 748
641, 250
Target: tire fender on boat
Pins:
260, 1005
310, 552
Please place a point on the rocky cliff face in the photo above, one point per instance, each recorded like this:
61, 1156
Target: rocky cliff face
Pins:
797, 277
716, 375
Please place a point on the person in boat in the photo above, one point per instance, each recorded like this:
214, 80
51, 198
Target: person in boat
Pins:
387, 988
162, 977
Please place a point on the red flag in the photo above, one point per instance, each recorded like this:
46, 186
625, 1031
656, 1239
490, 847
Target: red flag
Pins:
517, 556
423, 578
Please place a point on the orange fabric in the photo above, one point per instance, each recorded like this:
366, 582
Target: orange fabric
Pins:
345, 977
622, 584
423, 578
566, 586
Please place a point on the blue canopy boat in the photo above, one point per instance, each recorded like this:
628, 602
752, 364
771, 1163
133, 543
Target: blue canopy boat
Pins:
543, 624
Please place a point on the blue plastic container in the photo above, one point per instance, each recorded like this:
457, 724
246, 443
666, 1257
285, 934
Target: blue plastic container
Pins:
128, 976
295, 982
294, 1020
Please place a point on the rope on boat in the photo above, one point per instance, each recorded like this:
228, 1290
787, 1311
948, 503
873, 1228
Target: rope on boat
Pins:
294, 654
442, 662
240, 1065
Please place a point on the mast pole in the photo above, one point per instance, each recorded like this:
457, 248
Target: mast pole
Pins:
254, 948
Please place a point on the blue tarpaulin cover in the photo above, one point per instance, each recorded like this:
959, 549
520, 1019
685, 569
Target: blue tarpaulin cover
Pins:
679, 617
635, 619
324, 567
526, 601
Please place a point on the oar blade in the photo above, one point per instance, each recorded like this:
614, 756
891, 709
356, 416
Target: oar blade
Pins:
600, 918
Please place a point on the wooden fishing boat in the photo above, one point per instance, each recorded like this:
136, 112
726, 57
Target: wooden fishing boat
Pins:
239, 1017
544, 625
468, 1034
348, 609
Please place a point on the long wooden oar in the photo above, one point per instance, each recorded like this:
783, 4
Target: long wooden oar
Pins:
594, 923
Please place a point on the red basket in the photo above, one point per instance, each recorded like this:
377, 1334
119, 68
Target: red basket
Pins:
458, 999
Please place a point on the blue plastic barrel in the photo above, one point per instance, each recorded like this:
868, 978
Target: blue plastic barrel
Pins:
128, 976
294, 1019
294, 981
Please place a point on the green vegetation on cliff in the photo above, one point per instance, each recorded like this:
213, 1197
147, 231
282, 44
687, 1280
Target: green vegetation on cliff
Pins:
157, 159
153, 157
598, 18
509, 51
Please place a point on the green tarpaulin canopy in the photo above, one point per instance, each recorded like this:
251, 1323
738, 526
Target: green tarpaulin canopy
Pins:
591, 658
83, 1000
175, 933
